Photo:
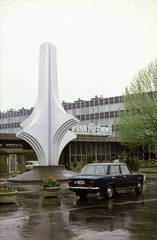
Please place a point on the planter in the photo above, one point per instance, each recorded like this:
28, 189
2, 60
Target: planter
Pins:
8, 197
51, 191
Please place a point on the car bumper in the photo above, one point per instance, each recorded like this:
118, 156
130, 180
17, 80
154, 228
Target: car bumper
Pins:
83, 188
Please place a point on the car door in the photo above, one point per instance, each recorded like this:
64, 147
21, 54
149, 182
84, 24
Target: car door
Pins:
116, 175
126, 181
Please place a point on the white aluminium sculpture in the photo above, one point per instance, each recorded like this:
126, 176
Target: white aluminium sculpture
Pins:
47, 128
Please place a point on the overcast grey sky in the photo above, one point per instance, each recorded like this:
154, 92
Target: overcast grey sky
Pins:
100, 44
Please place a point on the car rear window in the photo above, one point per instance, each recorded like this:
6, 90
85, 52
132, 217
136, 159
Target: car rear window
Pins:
94, 170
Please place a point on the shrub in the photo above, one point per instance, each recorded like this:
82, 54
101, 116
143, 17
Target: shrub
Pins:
133, 163
6, 189
89, 159
74, 163
84, 162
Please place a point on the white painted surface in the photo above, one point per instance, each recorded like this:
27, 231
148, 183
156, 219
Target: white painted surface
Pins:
47, 128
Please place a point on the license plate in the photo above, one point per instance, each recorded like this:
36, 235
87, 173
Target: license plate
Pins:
81, 182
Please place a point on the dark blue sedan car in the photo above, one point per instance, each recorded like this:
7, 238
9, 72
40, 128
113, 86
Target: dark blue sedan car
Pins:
105, 178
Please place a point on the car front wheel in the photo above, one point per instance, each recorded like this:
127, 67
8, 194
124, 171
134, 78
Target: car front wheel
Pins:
109, 193
139, 187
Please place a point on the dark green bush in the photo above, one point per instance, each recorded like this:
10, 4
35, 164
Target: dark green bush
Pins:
133, 163
74, 163
89, 159
84, 162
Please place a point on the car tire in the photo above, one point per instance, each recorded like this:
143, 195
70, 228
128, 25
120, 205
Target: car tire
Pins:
109, 193
82, 194
139, 187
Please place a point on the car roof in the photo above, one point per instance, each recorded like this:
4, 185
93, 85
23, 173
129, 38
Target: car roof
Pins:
117, 163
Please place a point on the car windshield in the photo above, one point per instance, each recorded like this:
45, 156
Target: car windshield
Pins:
94, 170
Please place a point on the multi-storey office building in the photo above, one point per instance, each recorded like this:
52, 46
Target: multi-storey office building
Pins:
98, 111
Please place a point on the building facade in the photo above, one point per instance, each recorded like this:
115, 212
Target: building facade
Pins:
98, 111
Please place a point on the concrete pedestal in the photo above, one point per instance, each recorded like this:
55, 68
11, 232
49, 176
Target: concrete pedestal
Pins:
38, 173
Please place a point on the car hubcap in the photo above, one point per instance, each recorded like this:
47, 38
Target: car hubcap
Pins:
139, 186
109, 192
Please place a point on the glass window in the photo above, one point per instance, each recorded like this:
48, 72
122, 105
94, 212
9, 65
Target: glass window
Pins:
74, 105
96, 102
114, 170
97, 169
87, 110
106, 100
82, 104
72, 148
110, 100
87, 104
97, 109
101, 101
111, 107
83, 148
83, 110
116, 99
83, 117
91, 116
78, 111
69, 106
87, 117
101, 115
106, 108
92, 109
111, 114
96, 115
106, 114
78, 105
78, 149
124, 169
102, 108
74, 111
107, 147
91, 103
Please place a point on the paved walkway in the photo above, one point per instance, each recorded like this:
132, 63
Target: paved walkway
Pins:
148, 169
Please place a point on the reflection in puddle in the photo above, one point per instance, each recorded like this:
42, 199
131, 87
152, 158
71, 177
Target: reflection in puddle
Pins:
51, 202
108, 218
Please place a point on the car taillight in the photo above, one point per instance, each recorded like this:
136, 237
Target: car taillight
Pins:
70, 181
91, 181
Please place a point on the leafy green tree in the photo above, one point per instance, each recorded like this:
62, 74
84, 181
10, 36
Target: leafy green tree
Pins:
137, 124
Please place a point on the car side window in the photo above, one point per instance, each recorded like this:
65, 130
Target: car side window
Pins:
114, 170
125, 170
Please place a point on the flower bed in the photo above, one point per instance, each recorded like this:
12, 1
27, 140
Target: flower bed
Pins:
50, 187
7, 195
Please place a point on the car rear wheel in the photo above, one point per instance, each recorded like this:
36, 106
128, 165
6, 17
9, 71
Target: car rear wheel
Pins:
109, 193
139, 187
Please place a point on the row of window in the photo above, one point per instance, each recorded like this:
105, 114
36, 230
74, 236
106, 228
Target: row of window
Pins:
95, 102
17, 113
10, 125
101, 115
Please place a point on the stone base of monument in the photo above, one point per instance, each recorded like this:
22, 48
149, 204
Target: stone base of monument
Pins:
38, 173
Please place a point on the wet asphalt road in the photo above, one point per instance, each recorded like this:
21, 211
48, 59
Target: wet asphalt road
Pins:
126, 216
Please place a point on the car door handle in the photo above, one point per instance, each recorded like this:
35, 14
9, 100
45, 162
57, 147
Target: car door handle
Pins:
113, 177
124, 176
